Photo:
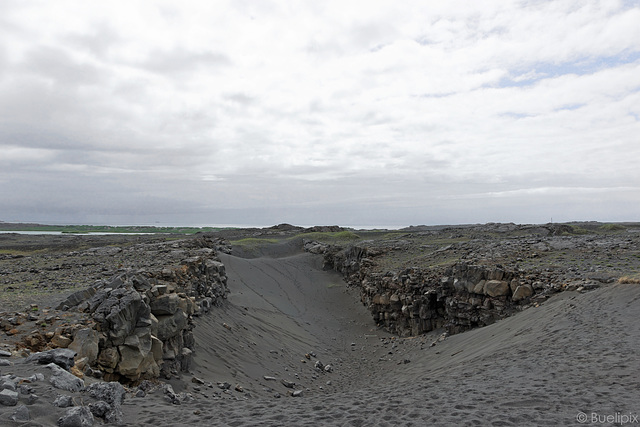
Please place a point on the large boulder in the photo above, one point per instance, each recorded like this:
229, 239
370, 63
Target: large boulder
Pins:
137, 357
165, 304
86, 344
522, 292
496, 288
64, 380
113, 395
108, 359
171, 325
119, 314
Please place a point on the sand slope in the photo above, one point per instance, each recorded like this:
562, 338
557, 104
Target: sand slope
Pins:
576, 353
279, 310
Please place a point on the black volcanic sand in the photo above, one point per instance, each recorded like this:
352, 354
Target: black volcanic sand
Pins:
576, 353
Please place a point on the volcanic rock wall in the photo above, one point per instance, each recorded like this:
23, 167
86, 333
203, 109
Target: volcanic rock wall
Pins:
141, 321
417, 300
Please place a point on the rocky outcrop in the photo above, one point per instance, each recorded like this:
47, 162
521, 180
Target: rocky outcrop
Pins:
416, 300
140, 322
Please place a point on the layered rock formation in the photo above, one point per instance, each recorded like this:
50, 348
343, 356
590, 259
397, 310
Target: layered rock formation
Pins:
138, 323
416, 300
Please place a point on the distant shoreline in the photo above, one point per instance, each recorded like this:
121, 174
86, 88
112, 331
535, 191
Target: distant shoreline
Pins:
36, 228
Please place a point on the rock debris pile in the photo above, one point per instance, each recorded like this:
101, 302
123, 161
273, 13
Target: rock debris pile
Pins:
138, 323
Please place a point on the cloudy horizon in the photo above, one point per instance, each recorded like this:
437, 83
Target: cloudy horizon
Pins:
349, 113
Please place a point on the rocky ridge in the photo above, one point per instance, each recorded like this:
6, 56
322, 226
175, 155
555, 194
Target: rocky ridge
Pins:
136, 324
479, 275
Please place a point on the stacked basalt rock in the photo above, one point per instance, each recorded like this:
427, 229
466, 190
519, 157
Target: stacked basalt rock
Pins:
141, 321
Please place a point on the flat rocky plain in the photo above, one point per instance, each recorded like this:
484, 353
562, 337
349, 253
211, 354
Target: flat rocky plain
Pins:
306, 337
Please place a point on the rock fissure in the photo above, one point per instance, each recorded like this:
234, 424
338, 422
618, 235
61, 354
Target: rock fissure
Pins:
416, 300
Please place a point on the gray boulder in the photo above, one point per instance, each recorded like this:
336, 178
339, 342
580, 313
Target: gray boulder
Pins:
21, 414
62, 357
100, 408
119, 313
85, 344
170, 325
8, 384
63, 401
112, 394
8, 397
77, 416
165, 304
64, 380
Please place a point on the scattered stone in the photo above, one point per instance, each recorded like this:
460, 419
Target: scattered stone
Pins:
76, 416
169, 394
8, 397
5, 362
62, 357
99, 409
5, 353
268, 378
21, 414
63, 401
36, 377
197, 380
9, 384
287, 383
296, 393
239, 388
64, 380
328, 368
25, 389
61, 341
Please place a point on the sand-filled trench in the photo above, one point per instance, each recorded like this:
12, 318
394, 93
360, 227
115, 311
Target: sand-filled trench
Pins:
576, 354
570, 361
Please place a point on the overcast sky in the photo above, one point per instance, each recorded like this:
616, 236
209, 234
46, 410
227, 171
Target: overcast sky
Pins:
319, 112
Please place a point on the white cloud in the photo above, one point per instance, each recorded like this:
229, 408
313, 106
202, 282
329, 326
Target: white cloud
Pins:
258, 104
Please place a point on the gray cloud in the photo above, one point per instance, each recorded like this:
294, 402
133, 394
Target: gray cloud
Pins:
59, 68
180, 60
323, 113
